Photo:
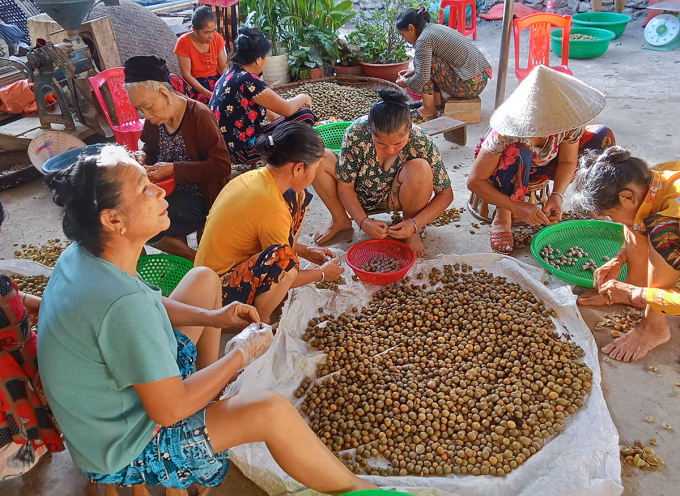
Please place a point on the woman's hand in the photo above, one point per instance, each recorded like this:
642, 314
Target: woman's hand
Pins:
139, 156
304, 100
553, 209
607, 272
319, 256
618, 292
160, 171
207, 93
407, 73
332, 271
234, 315
403, 230
252, 342
32, 306
375, 229
401, 81
529, 213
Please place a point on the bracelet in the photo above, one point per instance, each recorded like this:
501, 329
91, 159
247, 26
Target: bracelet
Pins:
558, 194
362, 222
23, 300
323, 276
414, 224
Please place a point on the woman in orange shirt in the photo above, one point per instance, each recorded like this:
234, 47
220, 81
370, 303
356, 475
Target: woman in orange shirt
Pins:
201, 57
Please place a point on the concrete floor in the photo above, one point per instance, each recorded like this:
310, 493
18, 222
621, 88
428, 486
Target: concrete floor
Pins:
642, 109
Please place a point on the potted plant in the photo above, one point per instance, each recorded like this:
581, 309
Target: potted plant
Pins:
266, 16
383, 50
349, 59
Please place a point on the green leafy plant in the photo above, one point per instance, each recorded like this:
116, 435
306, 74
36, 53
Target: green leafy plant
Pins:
304, 52
322, 14
377, 34
349, 53
266, 16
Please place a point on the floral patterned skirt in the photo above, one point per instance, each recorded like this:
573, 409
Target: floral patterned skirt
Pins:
445, 79
187, 90
260, 272
515, 170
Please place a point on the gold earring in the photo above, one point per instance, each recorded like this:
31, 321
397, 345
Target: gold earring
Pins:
122, 232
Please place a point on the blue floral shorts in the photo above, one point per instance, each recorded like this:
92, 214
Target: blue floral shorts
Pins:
179, 455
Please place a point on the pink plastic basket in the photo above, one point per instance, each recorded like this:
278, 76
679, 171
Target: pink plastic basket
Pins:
365, 251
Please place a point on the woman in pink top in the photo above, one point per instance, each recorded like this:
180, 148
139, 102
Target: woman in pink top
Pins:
201, 57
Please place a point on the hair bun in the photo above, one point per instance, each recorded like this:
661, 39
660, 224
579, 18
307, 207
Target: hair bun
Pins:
615, 154
392, 96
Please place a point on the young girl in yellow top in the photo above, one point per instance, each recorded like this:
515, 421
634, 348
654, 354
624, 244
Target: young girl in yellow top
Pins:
250, 237
646, 202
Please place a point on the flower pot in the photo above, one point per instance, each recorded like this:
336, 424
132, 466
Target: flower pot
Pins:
389, 72
353, 70
315, 73
276, 71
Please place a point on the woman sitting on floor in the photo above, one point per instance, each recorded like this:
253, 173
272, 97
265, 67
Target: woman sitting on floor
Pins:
242, 100
386, 164
27, 431
647, 203
536, 135
201, 57
131, 376
251, 237
181, 139
444, 60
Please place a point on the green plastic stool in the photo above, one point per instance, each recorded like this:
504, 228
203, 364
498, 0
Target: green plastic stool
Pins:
332, 134
163, 271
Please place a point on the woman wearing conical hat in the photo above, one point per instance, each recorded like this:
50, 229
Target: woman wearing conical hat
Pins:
537, 134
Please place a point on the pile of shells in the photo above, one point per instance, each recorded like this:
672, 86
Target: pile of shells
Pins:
620, 322
450, 215
381, 264
578, 36
34, 285
589, 265
335, 102
332, 285
45, 254
641, 456
467, 378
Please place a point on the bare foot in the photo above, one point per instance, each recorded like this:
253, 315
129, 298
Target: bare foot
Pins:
421, 111
592, 299
501, 233
333, 228
416, 243
636, 343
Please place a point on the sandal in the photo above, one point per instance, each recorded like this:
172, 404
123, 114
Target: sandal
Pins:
415, 115
502, 239
415, 104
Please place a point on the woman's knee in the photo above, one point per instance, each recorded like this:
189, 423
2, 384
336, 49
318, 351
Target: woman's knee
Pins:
329, 162
204, 281
416, 171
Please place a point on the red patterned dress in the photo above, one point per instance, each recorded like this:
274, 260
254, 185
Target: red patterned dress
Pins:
27, 429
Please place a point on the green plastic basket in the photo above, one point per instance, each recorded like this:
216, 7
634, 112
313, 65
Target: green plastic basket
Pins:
598, 238
613, 21
332, 134
163, 271
583, 49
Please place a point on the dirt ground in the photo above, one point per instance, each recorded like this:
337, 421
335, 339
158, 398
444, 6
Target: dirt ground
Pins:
642, 100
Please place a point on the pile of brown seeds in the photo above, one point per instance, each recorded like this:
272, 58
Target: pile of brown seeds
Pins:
45, 254
467, 378
335, 102
34, 285
523, 235
450, 215
381, 264
641, 456
332, 285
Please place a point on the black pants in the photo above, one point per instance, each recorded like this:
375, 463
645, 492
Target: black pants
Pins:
187, 212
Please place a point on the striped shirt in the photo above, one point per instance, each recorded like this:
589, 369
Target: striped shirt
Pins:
452, 47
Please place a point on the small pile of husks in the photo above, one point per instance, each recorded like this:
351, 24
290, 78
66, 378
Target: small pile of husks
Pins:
467, 378
335, 102
450, 215
641, 456
45, 254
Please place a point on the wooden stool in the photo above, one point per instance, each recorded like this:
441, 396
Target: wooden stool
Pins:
538, 192
454, 130
468, 110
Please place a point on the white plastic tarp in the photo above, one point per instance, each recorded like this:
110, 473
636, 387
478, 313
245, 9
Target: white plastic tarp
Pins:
582, 460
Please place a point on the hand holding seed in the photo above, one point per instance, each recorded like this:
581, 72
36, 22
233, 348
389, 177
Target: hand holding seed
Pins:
403, 230
331, 270
607, 272
375, 228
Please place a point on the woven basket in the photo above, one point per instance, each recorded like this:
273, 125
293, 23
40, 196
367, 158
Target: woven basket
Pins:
50, 144
371, 83
163, 271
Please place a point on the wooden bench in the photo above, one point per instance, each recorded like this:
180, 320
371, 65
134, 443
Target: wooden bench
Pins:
454, 131
468, 110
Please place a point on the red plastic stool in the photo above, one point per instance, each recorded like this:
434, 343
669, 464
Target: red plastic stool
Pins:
457, 16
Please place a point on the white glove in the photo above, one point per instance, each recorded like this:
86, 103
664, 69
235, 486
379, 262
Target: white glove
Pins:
252, 342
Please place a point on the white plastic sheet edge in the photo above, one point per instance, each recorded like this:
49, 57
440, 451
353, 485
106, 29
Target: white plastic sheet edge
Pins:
582, 460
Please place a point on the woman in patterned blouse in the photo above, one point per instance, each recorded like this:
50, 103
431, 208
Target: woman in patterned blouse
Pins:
385, 163
647, 202
242, 100
535, 136
444, 60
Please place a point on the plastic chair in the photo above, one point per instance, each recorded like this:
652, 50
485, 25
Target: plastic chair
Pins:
457, 16
129, 127
539, 42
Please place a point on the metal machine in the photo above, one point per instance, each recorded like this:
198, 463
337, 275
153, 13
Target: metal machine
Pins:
63, 68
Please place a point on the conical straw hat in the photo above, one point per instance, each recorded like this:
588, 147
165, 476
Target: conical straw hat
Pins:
547, 102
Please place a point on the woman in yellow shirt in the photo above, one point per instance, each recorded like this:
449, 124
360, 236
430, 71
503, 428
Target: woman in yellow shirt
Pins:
250, 237
646, 202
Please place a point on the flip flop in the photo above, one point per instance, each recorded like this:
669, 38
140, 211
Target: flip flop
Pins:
416, 104
502, 238
415, 115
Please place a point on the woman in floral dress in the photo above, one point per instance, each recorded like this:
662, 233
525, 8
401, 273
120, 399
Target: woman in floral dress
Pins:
536, 135
647, 202
385, 164
242, 100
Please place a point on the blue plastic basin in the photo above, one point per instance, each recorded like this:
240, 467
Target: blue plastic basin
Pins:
67, 158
